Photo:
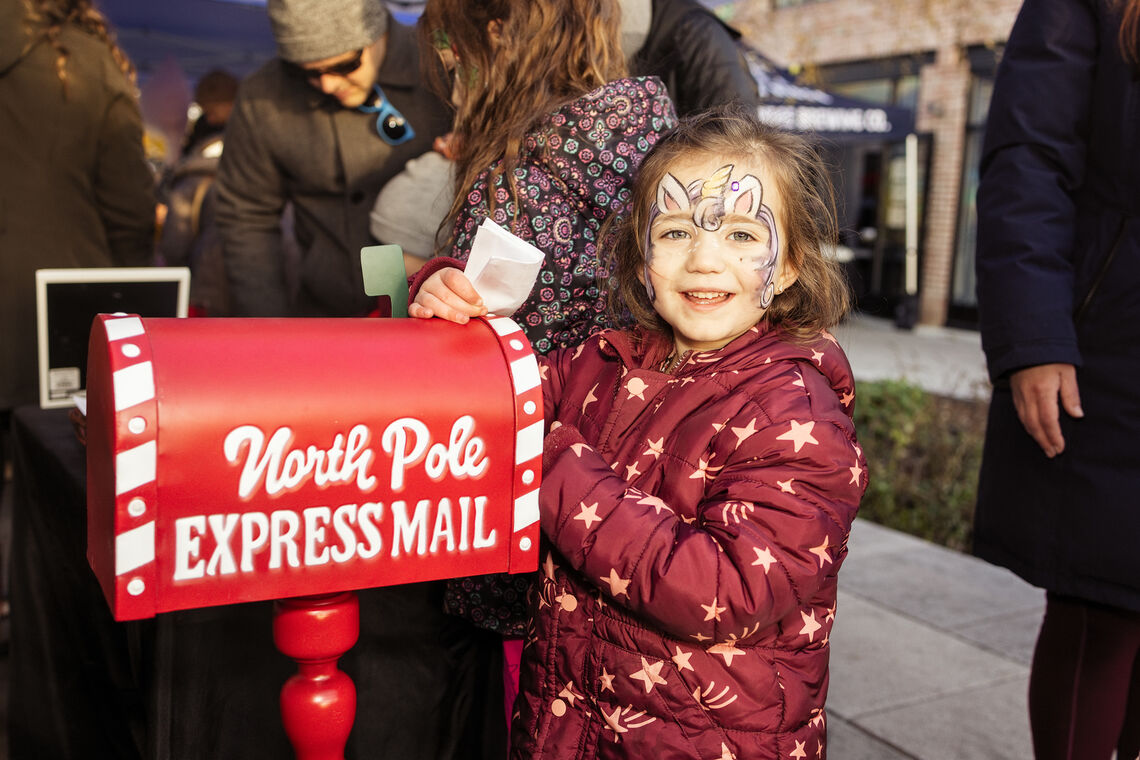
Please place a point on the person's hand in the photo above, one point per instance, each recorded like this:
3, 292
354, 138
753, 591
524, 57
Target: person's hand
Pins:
447, 294
1035, 394
446, 145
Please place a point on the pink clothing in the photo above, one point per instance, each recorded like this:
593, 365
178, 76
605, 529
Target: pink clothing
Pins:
696, 525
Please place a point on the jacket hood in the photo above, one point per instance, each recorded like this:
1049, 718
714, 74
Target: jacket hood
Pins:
13, 34
762, 343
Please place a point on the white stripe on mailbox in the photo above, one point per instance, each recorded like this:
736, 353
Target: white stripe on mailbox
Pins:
524, 372
135, 467
528, 443
126, 327
526, 510
134, 548
133, 385
503, 325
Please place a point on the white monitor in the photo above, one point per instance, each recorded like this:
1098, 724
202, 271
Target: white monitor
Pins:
67, 301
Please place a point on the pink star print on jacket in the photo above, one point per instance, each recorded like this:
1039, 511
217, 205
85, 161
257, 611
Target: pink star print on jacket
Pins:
696, 523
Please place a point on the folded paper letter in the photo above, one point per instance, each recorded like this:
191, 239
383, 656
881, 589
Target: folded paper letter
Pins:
502, 268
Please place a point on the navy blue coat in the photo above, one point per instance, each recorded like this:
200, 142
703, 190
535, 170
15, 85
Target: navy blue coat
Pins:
1058, 265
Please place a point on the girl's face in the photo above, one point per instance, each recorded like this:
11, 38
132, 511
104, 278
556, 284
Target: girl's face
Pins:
714, 261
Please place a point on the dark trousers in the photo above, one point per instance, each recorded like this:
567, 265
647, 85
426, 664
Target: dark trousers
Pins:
1084, 688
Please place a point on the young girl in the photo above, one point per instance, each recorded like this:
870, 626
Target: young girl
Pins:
701, 472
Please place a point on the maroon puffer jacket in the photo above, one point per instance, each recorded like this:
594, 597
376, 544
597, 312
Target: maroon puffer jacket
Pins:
697, 525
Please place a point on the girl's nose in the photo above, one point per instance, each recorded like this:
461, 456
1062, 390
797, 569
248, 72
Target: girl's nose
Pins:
705, 255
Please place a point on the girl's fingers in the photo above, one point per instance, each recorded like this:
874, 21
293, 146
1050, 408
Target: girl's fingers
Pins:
416, 310
460, 287
441, 308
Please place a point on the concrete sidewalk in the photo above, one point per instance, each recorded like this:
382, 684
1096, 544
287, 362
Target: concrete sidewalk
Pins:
942, 360
931, 647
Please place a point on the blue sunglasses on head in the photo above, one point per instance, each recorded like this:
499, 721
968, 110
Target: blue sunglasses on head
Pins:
391, 125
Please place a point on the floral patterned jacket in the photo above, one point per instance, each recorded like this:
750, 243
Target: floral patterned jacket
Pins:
572, 174
697, 522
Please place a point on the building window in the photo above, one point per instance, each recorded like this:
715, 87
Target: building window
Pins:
871, 180
963, 288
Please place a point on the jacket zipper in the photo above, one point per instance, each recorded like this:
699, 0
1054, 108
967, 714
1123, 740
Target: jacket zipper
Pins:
671, 366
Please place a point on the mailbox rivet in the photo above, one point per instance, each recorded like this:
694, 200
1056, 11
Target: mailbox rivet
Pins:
529, 407
136, 587
524, 544
516, 344
136, 507
130, 350
136, 425
528, 477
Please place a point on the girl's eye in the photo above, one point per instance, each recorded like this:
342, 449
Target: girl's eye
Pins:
674, 234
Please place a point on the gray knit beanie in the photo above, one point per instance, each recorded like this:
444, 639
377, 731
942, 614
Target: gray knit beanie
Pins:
311, 30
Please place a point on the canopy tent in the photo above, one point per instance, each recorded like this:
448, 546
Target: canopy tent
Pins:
786, 103
198, 35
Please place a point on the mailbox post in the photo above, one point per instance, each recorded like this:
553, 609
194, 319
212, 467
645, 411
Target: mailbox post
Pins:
234, 460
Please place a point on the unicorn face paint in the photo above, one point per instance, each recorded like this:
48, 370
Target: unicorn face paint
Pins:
712, 263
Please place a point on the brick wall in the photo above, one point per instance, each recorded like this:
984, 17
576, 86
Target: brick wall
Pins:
841, 31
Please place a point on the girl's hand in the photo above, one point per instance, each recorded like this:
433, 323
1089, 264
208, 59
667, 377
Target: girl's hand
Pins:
447, 294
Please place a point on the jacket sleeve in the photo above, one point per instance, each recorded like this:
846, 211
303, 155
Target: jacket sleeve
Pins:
124, 185
771, 529
552, 370
1032, 165
251, 198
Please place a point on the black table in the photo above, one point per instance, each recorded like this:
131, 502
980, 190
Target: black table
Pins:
205, 683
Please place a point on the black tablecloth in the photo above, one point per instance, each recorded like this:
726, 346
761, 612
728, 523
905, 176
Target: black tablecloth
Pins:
205, 683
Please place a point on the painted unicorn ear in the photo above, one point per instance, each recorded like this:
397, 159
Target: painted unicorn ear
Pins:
745, 197
671, 195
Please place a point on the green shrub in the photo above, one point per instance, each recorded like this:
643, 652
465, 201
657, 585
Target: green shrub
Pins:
923, 452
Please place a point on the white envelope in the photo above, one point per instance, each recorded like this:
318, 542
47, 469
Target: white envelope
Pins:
502, 267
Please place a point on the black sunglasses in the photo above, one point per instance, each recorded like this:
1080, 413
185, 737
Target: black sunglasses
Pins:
342, 69
391, 125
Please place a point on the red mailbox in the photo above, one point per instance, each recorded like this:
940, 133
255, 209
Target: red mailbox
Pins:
233, 460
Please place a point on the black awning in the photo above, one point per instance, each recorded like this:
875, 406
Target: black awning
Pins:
786, 103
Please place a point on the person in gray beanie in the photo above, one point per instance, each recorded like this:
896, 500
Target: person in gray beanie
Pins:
318, 130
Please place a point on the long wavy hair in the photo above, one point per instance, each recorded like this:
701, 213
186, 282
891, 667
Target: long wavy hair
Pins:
1129, 35
47, 19
517, 62
820, 296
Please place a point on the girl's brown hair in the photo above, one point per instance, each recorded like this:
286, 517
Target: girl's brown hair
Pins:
543, 54
47, 19
819, 297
